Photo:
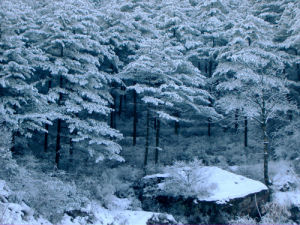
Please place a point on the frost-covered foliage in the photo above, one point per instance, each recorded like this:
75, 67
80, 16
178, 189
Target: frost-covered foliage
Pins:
184, 180
14, 213
22, 108
272, 213
73, 75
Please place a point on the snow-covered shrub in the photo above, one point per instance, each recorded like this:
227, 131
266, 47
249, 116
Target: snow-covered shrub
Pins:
48, 194
284, 177
184, 180
242, 220
14, 213
287, 141
275, 214
112, 186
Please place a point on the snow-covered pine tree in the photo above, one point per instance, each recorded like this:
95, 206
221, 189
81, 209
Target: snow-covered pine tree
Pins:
250, 77
72, 32
23, 109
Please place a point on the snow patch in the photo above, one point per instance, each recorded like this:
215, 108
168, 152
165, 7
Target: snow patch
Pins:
227, 185
100, 215
14, 213
158, 175
287, 199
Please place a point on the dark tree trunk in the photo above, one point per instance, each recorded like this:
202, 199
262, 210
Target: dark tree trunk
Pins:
47, 126
113, 113
147, 139
176, 127
58, 145
210, 105
266, 156
134, 117
246, 132
157, 140
265, 143
58, 137
236, 117
121, 100
209, 121
209, 127
176, 124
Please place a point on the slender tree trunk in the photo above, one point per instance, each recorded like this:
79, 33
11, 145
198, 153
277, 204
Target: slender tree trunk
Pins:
58, 146
210, 105
176, 124
176, 127
209, 127
265, 143
134, 117
113, 113
121, 100
47, 126
245, 131
157, 140
58, 137
236, 117
147, 138
266, 155
209, 120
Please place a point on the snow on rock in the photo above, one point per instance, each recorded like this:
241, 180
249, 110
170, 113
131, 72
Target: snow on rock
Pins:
226, 185
95, 214
207, 183
13, 213
193, 192
158, 175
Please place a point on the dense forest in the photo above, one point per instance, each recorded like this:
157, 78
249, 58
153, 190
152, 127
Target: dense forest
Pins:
97, 96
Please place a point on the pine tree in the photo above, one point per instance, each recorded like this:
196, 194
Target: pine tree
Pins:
250, 77
23, 108
72, 32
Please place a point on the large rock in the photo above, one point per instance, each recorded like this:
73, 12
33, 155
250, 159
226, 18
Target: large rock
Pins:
216, 193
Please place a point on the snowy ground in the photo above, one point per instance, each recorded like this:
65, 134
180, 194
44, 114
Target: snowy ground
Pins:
13, 213
100, 215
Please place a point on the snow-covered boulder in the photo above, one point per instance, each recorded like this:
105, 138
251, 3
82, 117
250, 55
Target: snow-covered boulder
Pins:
205, 191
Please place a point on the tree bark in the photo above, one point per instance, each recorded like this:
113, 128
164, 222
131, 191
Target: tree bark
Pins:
236, 117
209, 127
121, 100
58, 146
266, 156
47, 126
147, 139
246, 132
157, 140
265, 143
134, 117
176, 124
113, 113
58, 137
